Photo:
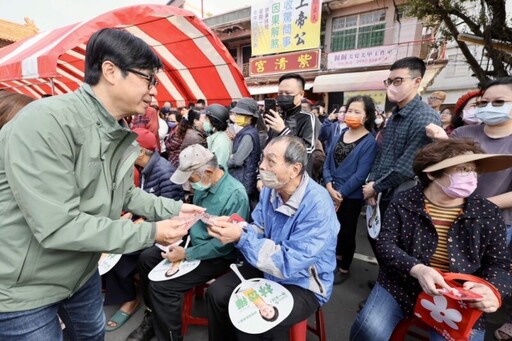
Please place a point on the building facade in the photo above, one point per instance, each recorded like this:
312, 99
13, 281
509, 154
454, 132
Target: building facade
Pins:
359, 40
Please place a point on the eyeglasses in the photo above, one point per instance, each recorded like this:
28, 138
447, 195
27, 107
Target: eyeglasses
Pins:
435, 98
152, 81
496, 103
466, 170
397, 81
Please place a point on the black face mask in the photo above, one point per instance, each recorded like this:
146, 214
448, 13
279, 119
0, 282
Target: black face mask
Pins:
285, 102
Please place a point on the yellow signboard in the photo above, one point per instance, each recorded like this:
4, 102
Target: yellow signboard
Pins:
285, 25
379, 97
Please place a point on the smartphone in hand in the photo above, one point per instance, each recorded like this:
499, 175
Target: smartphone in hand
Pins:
270, 103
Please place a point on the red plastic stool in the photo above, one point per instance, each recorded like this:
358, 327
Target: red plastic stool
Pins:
402, 330
299, 330
186, 311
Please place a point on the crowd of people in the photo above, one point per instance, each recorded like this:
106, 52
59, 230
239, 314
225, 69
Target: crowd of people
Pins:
111, 171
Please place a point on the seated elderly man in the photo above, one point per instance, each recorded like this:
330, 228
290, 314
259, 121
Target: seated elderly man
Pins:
220, 194
292, 241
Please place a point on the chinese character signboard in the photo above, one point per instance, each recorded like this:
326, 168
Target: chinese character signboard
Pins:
285, 25
288, 62
379, 97
380, 55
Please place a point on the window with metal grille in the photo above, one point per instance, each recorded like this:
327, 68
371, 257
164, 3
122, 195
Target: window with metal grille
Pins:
358, 31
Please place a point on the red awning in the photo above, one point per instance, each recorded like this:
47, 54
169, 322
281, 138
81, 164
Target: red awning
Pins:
196, 63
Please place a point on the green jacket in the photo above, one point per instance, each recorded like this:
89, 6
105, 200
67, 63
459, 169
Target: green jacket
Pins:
226, 197
66, 173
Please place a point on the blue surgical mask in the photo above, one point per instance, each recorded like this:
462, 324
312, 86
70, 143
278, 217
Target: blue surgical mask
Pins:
198, 186
207, 127
494, 115
172, 125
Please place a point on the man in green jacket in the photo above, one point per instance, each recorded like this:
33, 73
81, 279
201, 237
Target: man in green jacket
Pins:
221, 195
66, 174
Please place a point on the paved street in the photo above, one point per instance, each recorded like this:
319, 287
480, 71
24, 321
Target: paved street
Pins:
339, 312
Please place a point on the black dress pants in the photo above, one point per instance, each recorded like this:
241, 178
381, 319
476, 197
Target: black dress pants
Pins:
165, 298
348, 216
219, 323
120, 281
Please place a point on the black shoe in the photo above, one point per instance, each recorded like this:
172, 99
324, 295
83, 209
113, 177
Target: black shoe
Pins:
144, 331
340, 277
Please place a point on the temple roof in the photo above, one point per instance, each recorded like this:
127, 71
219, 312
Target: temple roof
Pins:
12, 32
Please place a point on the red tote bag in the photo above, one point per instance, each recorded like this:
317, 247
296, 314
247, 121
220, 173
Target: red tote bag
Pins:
450, 317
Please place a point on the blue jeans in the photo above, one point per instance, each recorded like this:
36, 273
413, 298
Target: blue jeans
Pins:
82, 313
509, 233
380, 315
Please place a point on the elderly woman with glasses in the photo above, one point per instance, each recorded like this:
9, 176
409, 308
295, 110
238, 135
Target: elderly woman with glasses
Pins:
440, 224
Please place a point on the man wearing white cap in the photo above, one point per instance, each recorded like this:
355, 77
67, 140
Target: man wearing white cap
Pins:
221, 195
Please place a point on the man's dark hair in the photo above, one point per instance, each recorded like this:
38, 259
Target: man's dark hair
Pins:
500, 81
121, 48
369, 109
201, 101
415, 65
296, 76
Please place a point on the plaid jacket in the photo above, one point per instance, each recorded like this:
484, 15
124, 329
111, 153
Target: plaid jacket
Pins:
405, 134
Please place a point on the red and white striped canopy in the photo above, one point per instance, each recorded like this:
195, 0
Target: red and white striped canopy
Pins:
196, 63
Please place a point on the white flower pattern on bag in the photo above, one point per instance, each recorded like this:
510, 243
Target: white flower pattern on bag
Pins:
440, 312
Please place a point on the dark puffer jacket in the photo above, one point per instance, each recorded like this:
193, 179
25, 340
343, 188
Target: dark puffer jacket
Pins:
155, 178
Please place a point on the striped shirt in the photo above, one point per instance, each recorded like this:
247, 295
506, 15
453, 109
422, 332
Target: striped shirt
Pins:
442, 218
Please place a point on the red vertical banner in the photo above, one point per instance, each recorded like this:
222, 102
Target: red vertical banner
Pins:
315, 11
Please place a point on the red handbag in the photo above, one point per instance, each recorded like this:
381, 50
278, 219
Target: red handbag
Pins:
451, 317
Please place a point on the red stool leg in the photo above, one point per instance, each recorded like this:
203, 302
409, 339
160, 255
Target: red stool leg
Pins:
319, 328
186, 311
298, 331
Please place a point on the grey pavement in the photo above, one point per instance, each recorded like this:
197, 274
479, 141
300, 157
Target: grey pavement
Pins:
339, 312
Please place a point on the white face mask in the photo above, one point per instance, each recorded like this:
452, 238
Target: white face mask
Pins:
378, 121
270, 180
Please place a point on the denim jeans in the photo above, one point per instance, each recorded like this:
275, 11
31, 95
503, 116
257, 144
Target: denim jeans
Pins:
380, 315
82, 313
509, 233
378, 318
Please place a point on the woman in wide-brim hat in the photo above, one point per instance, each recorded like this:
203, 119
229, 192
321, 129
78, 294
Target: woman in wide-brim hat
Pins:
440, 224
